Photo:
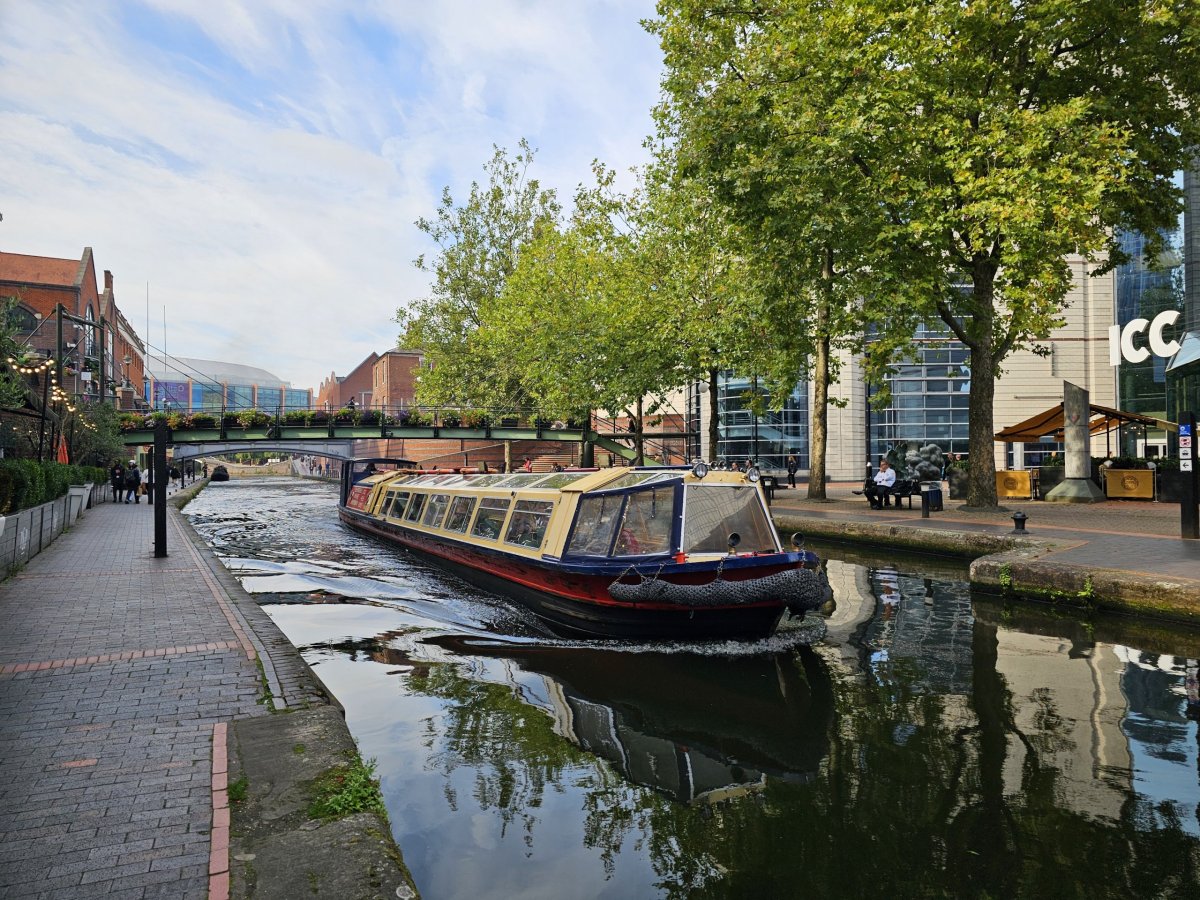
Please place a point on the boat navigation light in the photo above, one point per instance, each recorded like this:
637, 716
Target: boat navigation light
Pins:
752, 474
699, 468
734, 540
798, 540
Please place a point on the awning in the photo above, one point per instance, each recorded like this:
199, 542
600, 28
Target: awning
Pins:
1050, 424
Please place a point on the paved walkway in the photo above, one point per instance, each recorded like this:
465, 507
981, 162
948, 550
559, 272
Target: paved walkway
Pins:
119, 674
1127, 535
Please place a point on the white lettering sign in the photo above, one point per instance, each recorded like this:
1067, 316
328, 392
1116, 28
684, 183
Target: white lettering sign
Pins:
1120, 340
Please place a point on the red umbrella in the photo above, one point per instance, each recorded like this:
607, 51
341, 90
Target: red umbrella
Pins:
62, 450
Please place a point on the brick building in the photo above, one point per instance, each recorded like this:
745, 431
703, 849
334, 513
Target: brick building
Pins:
394, 378
98, 336
335, 391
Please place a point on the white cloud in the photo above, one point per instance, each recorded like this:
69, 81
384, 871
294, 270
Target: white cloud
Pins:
267, 195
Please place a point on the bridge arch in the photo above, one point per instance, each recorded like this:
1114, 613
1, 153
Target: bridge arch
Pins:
339, 450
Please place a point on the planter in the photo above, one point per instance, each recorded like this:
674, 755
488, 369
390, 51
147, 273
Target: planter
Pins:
958, 483
1129, 484
137, 437
1050, 477
1172, 484
358, 431
238, 434
511, 434
77, 495
304, 431
460, 433
193, 435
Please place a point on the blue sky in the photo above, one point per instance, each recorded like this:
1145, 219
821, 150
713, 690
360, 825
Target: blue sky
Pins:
260, 165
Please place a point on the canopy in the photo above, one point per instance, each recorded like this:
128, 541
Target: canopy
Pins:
1050, 423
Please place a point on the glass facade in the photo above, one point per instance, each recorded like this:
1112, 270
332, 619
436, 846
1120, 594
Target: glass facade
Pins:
1144, 291
929, 399
767, 439
213, 397
270, 398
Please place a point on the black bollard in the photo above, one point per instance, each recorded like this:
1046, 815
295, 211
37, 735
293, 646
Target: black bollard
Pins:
924, 500
1019, 523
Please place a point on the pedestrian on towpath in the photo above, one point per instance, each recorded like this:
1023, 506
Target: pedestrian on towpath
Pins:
116, 477
792, 466
133, 481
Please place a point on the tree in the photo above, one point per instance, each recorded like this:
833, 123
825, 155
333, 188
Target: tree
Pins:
12, 383
980, 144
479, 244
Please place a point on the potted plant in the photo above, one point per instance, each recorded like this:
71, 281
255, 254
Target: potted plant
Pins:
303, 423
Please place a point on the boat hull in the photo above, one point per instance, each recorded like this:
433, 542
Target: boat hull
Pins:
576, 603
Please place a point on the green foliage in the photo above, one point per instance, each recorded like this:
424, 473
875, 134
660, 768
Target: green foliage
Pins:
22, 484
950, 156
345, 790
238, 790
253, 418
12, 383
479, 244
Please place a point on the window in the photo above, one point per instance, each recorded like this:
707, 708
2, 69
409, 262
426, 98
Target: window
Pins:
594, 525
713, 512
436, 510
528, 524
397, 508
415, 507
490, 518
460, 514
646, 523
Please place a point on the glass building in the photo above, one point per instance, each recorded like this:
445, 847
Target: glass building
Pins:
767, 439
193, 385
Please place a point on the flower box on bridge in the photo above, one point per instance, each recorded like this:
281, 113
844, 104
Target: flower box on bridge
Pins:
195, 435
457, 433
306, 431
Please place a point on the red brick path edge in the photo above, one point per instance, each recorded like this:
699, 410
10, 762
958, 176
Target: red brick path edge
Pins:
218, 857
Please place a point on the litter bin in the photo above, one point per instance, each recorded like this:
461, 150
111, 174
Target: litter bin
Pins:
932, 491
769, 484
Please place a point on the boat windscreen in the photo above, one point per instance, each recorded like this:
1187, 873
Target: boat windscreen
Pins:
646, 522
594, 524
713, 512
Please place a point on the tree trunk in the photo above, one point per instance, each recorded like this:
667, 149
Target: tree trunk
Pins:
820, 395
714, 417
981, 433
639, 437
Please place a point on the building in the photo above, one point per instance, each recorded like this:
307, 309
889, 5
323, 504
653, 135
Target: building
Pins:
187, 384
394, 378
335, 392
101, 353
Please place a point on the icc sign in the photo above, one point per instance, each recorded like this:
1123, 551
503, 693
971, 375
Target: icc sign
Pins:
1120, 340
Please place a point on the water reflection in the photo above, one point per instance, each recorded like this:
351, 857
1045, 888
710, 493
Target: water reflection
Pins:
934, 744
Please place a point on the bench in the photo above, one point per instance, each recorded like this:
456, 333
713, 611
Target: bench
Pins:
904, 488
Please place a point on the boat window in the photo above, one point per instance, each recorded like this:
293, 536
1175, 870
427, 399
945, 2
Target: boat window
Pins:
436, 510
397, 508
460, 513
713, 512
386, 503
560, 479
594, 524
528, 524
646, 523
520, 480
416, 507
635, 478
478, 481
490, 518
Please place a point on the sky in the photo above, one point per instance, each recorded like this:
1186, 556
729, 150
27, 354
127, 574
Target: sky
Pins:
251, 172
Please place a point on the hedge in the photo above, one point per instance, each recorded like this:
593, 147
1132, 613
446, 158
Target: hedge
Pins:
26, 482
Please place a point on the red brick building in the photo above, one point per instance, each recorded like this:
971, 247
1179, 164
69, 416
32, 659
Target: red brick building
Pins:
394, 378
335, 392
99, 333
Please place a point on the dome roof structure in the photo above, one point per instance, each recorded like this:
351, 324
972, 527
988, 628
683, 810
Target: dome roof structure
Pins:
181, 368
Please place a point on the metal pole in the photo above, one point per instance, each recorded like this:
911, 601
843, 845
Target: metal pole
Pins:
1189, 503
160, 489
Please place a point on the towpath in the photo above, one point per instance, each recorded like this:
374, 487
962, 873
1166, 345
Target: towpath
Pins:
124, 682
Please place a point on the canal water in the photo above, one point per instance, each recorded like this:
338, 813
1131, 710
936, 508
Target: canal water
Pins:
932, 744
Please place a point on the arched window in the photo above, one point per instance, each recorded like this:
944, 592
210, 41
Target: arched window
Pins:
22, 319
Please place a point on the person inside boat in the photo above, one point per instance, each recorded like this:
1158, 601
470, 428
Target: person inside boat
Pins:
881, 486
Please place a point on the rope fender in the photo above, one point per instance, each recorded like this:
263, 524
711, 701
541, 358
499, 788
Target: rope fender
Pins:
800, 590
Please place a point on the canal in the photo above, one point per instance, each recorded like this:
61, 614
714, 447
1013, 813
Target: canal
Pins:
933, 744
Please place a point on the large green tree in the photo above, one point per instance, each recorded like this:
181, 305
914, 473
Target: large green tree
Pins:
979, 144
479, 243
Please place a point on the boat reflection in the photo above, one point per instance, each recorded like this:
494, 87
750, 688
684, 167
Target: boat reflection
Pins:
698, 729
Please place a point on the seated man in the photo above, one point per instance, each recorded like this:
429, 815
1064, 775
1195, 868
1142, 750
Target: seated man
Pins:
881, 485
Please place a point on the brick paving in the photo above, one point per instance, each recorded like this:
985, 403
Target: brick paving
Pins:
118, 675
1141, 537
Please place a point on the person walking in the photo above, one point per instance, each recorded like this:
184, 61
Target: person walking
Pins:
116, 477
175, 476
133, 480
792, 466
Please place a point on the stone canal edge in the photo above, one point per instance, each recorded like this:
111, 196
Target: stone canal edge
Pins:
266, 770
1021, 567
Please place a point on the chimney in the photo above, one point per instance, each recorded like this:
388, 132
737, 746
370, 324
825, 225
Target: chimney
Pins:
107, 281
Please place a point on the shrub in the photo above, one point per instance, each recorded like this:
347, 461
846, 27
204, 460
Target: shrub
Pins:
297, 417
253, 418
475, 418
202, 420
56, 479
346, 416
451, 419
369, 417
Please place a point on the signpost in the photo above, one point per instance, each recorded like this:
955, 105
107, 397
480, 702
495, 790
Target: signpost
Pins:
1189, 503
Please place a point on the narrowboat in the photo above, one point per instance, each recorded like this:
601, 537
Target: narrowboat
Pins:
641, 552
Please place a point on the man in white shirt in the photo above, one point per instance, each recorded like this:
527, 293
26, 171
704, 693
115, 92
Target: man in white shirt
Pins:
881, 487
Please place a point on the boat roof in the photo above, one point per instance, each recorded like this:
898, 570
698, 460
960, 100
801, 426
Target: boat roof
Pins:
566, 481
